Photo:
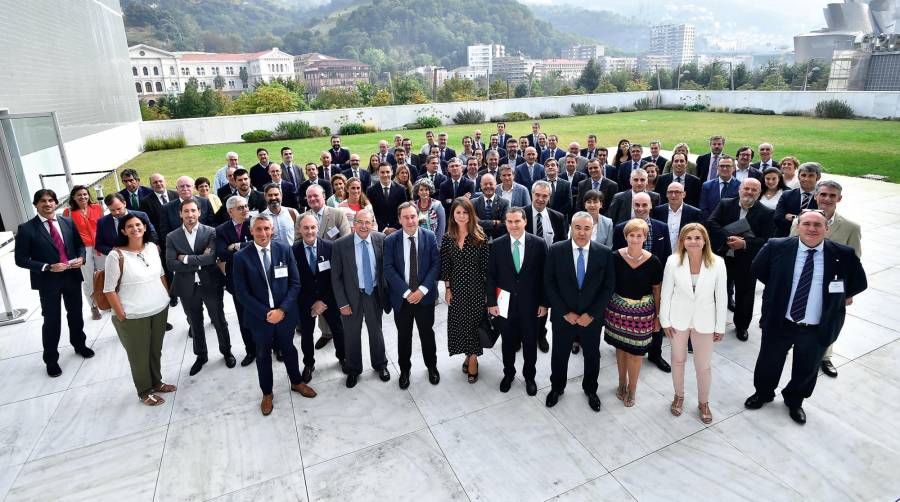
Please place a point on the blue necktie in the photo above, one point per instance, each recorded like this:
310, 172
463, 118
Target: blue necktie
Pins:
267, 263
311, 255
367, 269
579, 268
798, 307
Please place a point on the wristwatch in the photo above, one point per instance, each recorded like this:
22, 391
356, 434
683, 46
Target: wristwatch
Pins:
45, 268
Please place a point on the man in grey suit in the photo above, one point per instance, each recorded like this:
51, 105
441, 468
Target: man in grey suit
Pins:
490, 208
514, 193
620, 209
191, 256
356, 275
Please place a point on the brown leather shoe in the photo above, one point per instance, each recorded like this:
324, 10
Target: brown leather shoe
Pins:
304, 390
266, 405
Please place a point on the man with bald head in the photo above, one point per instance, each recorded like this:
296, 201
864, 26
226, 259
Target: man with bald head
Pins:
355, 170
620, 209
529, 171
738, 229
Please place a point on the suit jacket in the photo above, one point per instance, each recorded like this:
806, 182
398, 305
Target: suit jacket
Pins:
502, 139
608, 187
332, 217
623, 173
225, 191
774, 267
703, 163
620, 209
605, 230
295, 175
315, 285
343, 271
511, 162
689, 214
499, 207
753, 173
252, 287
385, 209
772, 163
201, 260
520, 196
449, 153
428, 263
226, 236
153, 209
574, 180
35, 248
438, 180
301, 193
558, 154
590, 154
532, 141
682, 306
710, 195
728, 211
171, 216
561, 284
789, 203
445, 191
661, 247
842, 231
691, 184
364, 176
523, 178
259, 176
141, 193
341, 158
660, 161
561, 198
288, 195
107, 236
525, 287
557, 223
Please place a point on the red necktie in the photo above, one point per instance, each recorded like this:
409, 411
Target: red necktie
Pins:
237, 229
58, 242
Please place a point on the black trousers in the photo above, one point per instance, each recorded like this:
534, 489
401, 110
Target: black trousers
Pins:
804, 371
212, 297
654, 351
423, 316
744, 290
246, 335
525, 328
282, 338
563, 334
308, 328
69, 290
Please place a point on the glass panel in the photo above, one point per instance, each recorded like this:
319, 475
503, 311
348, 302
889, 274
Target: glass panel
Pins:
34, 150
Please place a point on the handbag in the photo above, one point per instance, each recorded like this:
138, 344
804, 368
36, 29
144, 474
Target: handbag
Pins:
98, 296
487, 333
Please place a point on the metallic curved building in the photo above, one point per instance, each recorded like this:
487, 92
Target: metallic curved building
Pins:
846, 23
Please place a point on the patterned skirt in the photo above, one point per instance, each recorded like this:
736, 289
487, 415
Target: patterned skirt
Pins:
629, 323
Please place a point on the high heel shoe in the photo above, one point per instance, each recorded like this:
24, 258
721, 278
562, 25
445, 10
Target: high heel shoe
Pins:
473, 377
621, 391
465, 366
677, 405
629, 399
705, 415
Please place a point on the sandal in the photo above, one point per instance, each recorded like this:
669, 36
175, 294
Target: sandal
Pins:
473, 377
677, 405
152, 400
621, 391
629, 399
705, 415
165, 387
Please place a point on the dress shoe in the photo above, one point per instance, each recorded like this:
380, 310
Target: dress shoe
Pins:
797, 414
95, 314
351, 381
173, 302
829, 368
307, 373
543, 345
506, 383
742, 335
594, 401
54, 370
198, 365
530, 387
266, 405
169, 327
322, 342
660, 363
85, 352
553, 397
230, 361
248, 360
279, 356
756, 402
433, 376
304, 390
384, 374
404, 380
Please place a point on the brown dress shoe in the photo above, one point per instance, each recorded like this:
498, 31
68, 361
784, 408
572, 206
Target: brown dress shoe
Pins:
304, 390
266, 405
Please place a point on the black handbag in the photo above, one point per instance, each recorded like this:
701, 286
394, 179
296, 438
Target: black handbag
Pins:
487, 333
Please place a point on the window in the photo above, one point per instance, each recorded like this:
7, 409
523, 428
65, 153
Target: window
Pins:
137, 87
134, 70
171, 70
147, 86
145, 71
155, 71
159, 87
186, 71
231, 84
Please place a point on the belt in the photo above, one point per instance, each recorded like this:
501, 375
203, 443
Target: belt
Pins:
800, 325
363, 291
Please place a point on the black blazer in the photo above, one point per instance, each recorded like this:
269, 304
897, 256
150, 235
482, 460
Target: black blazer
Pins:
341, 158
774, 267
35, 248
623, 173
561, 199
620, 208
107, 237
525, 287
256, 200
364, 176
609, 188
449, 153
386, 209
512, 163
446, 195
573, 180
561, 284
660, 161
315, 285
532, 141
789, 203
703, 167
226, 236
224, 192
557, 221
728, 211
691, 184
151, 206
661, 247
773, 162
288, 195
499, 207
301, 194
171, 216
689, 214
141, 193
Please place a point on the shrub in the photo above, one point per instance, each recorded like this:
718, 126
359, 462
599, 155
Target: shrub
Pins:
513, 117
295, 129
257, 136
696, 107
627, 109
752, 111
469, 116
643, 104
351, 128
425, 122
795, 113
370, 127
720, 109
672, 107
602, 110
165, 142
549, 115
579, 109
834, 109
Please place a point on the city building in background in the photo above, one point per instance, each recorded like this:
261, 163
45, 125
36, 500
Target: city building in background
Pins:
480, 58
675, 41
846, 23
319, 71
583, 52
872, 64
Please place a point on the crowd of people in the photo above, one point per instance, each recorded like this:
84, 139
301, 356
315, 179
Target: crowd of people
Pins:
625, 248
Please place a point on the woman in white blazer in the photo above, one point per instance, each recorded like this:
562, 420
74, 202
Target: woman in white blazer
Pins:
693, 305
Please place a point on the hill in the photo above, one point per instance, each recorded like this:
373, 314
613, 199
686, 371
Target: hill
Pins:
618, 33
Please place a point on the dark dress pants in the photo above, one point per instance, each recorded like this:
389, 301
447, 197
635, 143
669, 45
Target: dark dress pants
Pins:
246, 335
212, 297
369, 310
744, 290
332, 318
805, 368
524, 328
280, 336
69, 289
563, 334
423, 315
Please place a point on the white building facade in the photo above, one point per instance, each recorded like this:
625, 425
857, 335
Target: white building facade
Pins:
675, 41
481, 57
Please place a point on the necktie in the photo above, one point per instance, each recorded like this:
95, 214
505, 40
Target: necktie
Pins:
596, 185
386, 192
319, 217
134, 200
327, 173
552, 187
517, 261
455, 187
237, 230
798, 307
413, 265
311, 256
807, 198
368, 281
678, 179
539, 225
267, 263
714, 168
442, 154
57, 241
648, 242
722, 191
579, 268
164, 198
488, 207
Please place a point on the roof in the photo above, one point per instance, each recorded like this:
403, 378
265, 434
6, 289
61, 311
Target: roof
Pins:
219, 56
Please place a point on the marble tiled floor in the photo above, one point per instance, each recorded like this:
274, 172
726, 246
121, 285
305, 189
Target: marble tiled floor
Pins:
84, 436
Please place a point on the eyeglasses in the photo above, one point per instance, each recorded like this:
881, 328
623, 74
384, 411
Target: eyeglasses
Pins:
241, 207
363, 223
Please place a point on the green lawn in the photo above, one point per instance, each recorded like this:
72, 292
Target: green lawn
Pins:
849, 147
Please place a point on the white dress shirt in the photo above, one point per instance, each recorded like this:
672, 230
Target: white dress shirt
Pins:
814, 301
512, 247
191, 239
674, 223
575, 249
46, 225
259, 250
405, 246
545, 224
742, 174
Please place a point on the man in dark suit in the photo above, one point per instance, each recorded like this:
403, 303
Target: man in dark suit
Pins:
312, 178
259, 172
231, 237
133, 192
496, 145
267, 282
289, 170
171, 213
560, 189
445, 152
792, 202
533, 136
623, 173
597, 181
742, 167
591, 151
513, 156
191, 255
579, 278
516, 266
456, 186
230, 188
256, 200
571, 173
152, 204
288, 190
675, 213
708, 163
51, 249
432, 171
620, 210
354, 170
655, 157
724, 186
502, 136
385, 197
403, 159
690, 184
340, 157
740, 246
529, 171
549, 226
316, 299
765, 158
411, 268
809, 281
359, 288
107, 236
553, 151
327, 168
490, 208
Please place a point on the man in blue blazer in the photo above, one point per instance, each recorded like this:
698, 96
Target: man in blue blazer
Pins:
340, 157
529, 171
553, 151
267, 282
51, 249
411, 268
681, 212
354, 170
456, 185
724, 186
107, 236
133, 192
232, 236
792, 202
623, 173
809, 282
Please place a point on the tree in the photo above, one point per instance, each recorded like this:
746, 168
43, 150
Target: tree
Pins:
409, 90
366, 92
271, 98
375, 58
521, 91
151, 112
551, 83
457, 89
189, 103
497, 89
718, 82
219, 82
636, 85
329, 99
606, 86
619, 78
212, 102
244, 76
740, 75
590, 77
382, 97
774, 82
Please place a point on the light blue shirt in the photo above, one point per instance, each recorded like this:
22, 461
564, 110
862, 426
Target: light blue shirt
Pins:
357, 247
814, 302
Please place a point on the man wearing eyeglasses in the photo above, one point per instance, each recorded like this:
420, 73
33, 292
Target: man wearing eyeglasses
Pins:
231, 236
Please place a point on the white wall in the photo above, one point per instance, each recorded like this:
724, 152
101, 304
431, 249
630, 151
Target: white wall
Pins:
864, 103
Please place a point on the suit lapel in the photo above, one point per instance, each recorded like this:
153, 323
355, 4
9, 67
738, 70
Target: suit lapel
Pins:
830, 272
41, 230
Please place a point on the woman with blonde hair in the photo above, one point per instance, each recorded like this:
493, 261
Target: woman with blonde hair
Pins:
356, 200
339, 187
402, 177
693, 306
789, 167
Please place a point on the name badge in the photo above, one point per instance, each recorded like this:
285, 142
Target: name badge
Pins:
332, 232
324, 265
281, 271
836, 287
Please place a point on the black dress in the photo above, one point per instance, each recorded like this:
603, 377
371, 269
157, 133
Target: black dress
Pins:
631, 311
466, 271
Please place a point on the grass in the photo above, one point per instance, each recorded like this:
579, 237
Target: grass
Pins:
848, 147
